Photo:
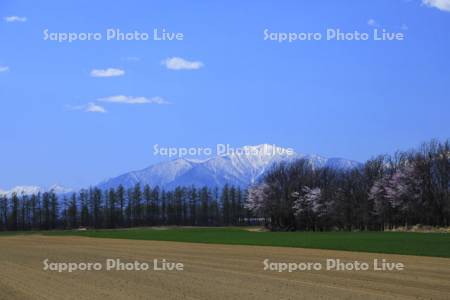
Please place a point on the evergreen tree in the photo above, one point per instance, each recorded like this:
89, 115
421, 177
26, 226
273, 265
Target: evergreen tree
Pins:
147, 194
96, 207
204, 206
136, 205
155, 210
46, 211
54, 213
120, 194
85, 217
226, 206
72, 212
193, 206
4, 212
112, 210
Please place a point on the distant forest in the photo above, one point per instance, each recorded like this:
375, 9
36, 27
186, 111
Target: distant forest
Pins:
114, 208
388, 191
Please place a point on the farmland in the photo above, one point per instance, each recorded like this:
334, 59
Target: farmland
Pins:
211, 271
408, 243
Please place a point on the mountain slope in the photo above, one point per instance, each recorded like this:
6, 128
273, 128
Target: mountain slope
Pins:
240, 168
31, 189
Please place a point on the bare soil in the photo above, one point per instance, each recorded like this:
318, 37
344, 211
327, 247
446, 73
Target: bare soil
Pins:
210, 272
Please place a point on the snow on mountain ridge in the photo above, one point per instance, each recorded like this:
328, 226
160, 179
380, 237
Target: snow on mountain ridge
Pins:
32, 189
255, 165
241, 167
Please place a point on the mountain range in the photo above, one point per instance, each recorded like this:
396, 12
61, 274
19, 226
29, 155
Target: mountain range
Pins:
32, 189
240, 168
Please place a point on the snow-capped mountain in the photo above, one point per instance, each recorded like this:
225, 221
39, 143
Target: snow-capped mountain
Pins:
31, 189
240, 168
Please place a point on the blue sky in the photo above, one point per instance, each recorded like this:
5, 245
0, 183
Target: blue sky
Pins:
351, 99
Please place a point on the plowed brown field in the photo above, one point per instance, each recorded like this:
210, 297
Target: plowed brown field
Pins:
210, 272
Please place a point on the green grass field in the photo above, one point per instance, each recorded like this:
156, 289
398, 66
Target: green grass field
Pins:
407, 243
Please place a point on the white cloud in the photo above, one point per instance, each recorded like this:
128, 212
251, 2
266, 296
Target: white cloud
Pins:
133, 100
178, 63
372, 22
439, 4
15, 19
90, 107
110, 72
4, 69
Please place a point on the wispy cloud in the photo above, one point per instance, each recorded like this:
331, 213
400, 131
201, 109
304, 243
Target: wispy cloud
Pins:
178, 63
133, 100
95, 108
4, 69
373, 23
110, 72
90, 107
439, 4
10, 19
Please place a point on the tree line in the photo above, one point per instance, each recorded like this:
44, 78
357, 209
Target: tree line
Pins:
120, 207
388, 191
